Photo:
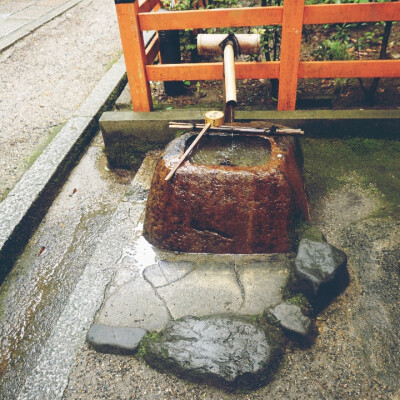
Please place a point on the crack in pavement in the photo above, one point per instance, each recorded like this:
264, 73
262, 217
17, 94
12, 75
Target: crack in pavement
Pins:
158, 296
240, 284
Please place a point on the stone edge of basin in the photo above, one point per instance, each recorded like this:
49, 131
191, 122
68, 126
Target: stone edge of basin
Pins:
134, 129
24, 207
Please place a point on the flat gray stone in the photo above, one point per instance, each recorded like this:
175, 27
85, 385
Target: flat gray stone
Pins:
134, 304
292, 319
124, 100
320, 271
262, 282
221, 351
31, 12
114, 339
209, 289
164, 272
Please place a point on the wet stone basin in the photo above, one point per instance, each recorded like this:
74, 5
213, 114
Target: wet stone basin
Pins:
231, 150
237, 195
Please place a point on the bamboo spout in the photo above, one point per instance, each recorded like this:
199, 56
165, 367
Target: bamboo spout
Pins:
229, 75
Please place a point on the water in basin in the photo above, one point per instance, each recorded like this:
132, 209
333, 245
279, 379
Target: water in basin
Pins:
231, 150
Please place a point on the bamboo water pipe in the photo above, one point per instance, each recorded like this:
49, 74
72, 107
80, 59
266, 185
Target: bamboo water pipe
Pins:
229, 45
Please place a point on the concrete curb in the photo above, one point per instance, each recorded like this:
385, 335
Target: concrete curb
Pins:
128, 135
22, 210
25, 30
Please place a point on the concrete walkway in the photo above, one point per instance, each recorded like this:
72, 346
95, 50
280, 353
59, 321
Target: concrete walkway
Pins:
19, 18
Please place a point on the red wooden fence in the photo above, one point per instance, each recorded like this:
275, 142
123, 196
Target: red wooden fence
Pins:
134, 17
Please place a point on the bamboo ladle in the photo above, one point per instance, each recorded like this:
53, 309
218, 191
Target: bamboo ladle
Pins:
212, 118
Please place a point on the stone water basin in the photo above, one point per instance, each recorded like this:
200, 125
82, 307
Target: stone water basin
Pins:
238, 195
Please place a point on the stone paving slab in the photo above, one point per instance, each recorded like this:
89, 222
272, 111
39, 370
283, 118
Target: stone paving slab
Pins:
209, 289
261, 281
14, 6
151, 287
31, 12
9, 25
19, 19
164, 273
150, 284
134, 305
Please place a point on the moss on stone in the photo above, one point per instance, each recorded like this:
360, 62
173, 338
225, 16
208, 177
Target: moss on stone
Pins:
148, 338
305, 230
42, 145
130, 154
327, 163
301, 301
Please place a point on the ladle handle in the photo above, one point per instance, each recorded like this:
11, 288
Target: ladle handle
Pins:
187, 152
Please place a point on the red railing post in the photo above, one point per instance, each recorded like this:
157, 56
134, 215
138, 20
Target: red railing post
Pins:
134, 53
134, 18
292, 26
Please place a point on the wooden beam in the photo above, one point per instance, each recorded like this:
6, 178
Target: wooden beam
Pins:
135, 56
148, 5
152, 50
253, 16
195, 19
270, 70
342, 13
350, 69
211, 71
292, 27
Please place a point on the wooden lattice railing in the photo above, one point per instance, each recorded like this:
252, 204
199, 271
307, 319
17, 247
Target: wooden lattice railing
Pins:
134, 18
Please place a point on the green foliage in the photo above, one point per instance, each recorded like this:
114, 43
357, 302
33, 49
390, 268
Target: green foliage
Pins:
337, 46
329, 50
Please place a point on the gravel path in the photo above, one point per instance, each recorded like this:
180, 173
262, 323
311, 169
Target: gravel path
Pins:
46, 76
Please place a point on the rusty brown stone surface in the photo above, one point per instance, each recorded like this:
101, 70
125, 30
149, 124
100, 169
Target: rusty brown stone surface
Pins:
226, 209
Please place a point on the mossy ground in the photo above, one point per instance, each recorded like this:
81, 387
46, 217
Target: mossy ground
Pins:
129, 155
43, 144
328, 162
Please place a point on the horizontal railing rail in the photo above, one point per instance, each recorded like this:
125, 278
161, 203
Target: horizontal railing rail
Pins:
135, 18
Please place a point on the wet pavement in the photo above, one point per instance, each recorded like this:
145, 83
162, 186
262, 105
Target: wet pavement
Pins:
165, 286
89, 256
45, 276
88, 262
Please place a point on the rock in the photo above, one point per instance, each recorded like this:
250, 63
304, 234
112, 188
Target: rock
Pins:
222, 351
320, 272
194, 211
114, 339
291, 319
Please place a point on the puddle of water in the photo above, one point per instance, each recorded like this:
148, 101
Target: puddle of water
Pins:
238, 151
